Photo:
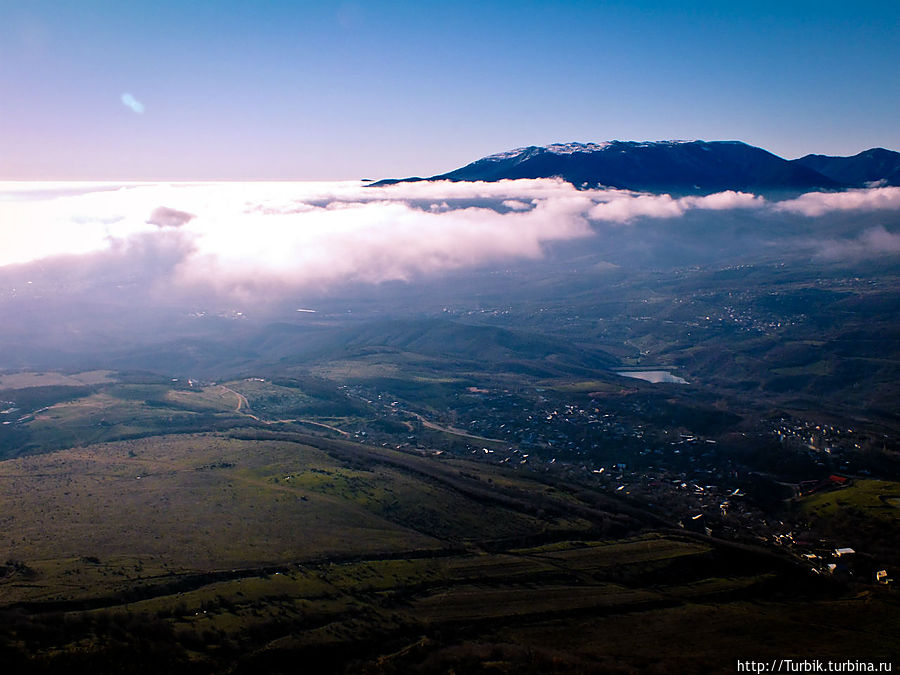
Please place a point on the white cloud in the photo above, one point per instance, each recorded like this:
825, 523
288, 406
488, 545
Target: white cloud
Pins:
819, 203
624, 207
239, 237
372, 241
244, 236
873, 242
721, 201
516, 205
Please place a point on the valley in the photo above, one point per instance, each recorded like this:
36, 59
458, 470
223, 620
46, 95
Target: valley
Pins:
463, 487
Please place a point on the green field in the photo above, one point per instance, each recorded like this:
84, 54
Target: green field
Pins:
864, 516
40, 379
875, 498
135, 541
54, 411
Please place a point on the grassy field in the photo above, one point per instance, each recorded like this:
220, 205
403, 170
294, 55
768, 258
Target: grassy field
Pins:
256, 547
186, 503
40, 379
218, 552
864, 516
122, 412
55, 411
213, 398
875, 498
201, 502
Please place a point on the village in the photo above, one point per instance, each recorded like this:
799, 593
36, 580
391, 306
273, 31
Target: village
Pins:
694, 479
700, 475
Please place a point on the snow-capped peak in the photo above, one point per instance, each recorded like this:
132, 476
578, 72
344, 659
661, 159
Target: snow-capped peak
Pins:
569, 148
572, 148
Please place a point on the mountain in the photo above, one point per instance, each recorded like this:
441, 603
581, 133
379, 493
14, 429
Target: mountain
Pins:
679, 167
869, 166
684, 167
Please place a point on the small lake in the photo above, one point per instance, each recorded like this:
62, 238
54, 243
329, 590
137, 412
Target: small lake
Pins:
654, 376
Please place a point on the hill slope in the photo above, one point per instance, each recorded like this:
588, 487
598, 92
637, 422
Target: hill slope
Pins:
688, 167
250, 552
875, 164
679, 167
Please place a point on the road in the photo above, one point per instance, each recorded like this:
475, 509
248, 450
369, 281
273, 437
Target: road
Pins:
243, 403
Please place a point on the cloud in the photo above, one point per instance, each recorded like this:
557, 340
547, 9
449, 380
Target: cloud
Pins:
516, 205
375, 241
524, 189
721, 201
243, 238
819, 203
624, 207
163, 216
265, 239
132, 103
873, 242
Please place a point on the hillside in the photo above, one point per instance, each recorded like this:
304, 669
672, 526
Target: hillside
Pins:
678, 167
870, 166
249, 550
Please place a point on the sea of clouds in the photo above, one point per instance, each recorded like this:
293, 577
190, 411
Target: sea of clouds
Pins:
245, 238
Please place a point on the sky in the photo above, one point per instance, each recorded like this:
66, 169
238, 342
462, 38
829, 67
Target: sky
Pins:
260, 90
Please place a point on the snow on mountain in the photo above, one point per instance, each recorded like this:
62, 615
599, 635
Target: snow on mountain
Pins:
675, 167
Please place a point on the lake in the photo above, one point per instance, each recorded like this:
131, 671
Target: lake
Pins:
654, 376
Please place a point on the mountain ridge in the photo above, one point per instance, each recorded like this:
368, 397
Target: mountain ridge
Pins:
678, 167
875, 165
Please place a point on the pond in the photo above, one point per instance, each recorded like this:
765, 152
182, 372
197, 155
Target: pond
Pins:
654, 376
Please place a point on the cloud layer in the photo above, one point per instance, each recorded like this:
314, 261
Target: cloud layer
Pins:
815, 204
248, 237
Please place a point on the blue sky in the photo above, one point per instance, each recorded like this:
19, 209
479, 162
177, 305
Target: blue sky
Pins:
295, 90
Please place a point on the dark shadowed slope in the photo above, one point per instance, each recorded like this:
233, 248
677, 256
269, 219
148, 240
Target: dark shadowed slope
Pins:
684, 167
876, 164
440, 339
